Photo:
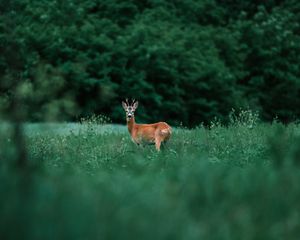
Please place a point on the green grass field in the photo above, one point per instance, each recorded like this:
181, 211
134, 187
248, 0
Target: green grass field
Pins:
89, 181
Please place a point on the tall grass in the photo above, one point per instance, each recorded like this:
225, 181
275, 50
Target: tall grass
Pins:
234, 182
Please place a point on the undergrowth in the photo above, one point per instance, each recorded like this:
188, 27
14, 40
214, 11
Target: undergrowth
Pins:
219, 182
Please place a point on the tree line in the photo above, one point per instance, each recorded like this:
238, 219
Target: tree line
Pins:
185, 61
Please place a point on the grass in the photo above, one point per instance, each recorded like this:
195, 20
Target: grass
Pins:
89, 181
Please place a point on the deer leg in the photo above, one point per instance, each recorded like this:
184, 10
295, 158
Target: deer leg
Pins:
157, 144
163, 145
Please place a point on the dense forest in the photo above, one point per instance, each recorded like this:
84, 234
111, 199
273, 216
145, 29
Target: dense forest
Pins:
185, 61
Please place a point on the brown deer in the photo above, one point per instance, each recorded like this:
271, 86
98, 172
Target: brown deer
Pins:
155, 133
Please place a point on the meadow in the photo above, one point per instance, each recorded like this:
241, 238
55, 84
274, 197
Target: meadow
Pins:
188, 63
89, 181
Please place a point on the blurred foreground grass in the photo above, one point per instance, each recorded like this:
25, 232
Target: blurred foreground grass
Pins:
89, 181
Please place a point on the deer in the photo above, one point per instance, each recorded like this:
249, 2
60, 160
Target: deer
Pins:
141, 134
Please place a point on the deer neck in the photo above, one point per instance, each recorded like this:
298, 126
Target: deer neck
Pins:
130, 125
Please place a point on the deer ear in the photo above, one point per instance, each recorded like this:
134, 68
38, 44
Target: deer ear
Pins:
135, 105
124, 105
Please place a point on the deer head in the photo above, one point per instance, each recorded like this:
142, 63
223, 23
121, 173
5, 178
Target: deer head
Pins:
130, 108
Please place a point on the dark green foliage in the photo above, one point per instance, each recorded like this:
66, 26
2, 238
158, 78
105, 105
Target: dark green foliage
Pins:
272, 62
186, 61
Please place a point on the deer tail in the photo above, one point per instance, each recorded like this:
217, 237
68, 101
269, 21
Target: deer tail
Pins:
166, 131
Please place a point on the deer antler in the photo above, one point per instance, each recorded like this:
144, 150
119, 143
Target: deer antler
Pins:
132, 102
